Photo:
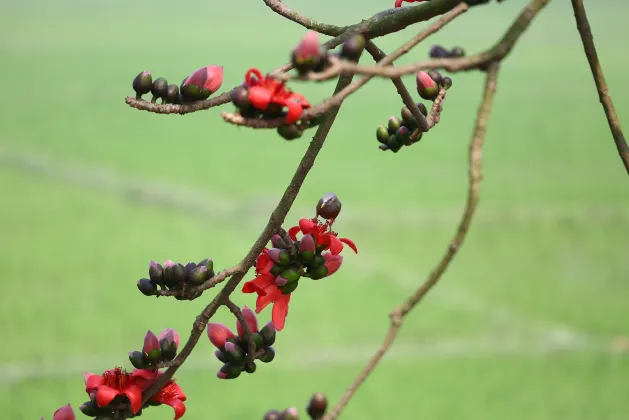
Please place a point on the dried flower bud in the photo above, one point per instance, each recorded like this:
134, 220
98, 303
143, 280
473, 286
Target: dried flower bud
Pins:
317, 406
329, 206
353, 47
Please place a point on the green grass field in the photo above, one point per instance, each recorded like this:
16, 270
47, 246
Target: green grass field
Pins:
528, 323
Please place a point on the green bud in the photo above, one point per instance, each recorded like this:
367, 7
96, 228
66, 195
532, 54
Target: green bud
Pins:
422, 109
234, 353
436, 76
318, 272
142, 84
207, 263
153, 356
382, 134
267, 355
394, 143
291, 275
277, 270
220, 356
159, 88
180, 274
408, 119
289, 287
317, 261
90, 408
306, 256
137, 359
198, 275
446, 83
353, 47
284, 258
172, 95
147, 287
404, 135
250, 367
258, 341
268, 334
394, 125
191, 92
457, 52
229, 371
289, 131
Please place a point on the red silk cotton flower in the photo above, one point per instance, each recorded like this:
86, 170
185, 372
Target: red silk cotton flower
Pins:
398, 3
322, 235
117, 382
171, 394
266, 90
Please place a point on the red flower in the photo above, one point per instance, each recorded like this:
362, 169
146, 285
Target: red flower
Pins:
172, 394
332, 263
398, 3
117, 381
252, 322
266, 90
209, 77
322, 235
268, 292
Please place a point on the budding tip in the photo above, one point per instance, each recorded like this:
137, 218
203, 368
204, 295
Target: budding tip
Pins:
221, 375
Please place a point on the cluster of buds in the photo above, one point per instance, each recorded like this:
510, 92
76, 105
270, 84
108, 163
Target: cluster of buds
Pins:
198, 86
438, 51
397, 133
430, 83
155, 349
309, 56
233, 350
175, 276
317, 406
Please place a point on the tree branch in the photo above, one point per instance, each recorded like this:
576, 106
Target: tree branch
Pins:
475, 178
599, 79
278, 7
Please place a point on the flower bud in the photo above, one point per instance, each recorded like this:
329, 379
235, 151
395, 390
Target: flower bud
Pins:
394, 124
280, 281
252, 321
408, 119
422, 108
192, 93
426, 87
151, 346
318, 273
446, 82
291, 275
279, 256
272, 415
436, 76
258, 341
317, 406
250, 367
147, 287
179, 274
198, 275
317, 261
220, 356
457, 52
218, 333
137, 359
229, 371
288, 288
268, 334
332, 263
172, 95
329, 206
240, 97
278, 242
90, 408
142, 84
208, 80
404, 135
353, 48
289, 131
276, 270
394, 144
382, 134
290, 413
233, 353
307, 54
208, 263
267, 355
307, 247
168, 342
159, 88
437, 51
156, 272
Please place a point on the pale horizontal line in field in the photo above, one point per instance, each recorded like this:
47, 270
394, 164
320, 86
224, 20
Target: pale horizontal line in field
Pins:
218, 206
555, 343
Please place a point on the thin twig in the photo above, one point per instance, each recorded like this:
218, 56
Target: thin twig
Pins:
251, 345
338, 98
275, 222
281, 9
583, 25
475, 178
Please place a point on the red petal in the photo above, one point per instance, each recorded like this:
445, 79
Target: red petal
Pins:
280, 311
178, 406
292, 232
261, 261
350, 243
332, 263
214, 78
294, 111
249, 80
259, 97
64, 413
218, 333
92, 381
105, 395
272, 293
301, 100
134, 393
249, 287
336, 246
306, 225
398, 3
150, 342
251, 319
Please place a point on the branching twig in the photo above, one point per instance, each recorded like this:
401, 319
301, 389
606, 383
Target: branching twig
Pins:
599, 78
475, 178
338, 98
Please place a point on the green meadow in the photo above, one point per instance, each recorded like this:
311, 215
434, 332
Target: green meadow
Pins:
530, 322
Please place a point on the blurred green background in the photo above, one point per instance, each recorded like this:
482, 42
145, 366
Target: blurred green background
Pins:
530, 322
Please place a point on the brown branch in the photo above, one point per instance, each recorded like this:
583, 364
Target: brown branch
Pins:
478, 61
143, 105
434, 116
475, 178
339, 97
278, 7
274, 224
251, 345
599, 79
407, 99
